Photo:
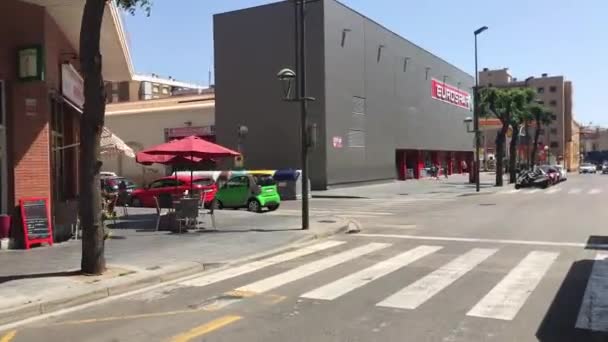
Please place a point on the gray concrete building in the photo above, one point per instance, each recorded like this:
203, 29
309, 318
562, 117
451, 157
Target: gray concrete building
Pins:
385, 107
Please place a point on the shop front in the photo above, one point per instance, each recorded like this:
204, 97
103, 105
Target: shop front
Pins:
416, 164
41, 100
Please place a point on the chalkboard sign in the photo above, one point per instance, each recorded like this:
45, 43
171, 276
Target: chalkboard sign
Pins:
36, 223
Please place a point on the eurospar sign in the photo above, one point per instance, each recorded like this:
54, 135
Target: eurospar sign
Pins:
444, 92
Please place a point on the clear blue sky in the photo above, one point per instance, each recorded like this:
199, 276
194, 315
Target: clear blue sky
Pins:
559, 37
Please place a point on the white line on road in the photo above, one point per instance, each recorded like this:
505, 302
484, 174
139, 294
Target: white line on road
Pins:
595, 191
533, 191
303, 271
506, 299
256, 265
398, 226
592, 314
502, 241
575, 191
422, 290
363, 277
553, 191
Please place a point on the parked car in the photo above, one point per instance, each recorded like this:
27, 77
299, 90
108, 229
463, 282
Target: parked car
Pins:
253, 192
104, 174
174, 186
563, 173
605, 169
587, 168
552, 173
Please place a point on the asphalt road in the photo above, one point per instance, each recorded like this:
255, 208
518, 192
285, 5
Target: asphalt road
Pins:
510, 266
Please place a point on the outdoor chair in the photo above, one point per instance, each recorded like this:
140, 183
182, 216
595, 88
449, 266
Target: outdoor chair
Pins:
207, 212
162, 202
186, 213
124, 199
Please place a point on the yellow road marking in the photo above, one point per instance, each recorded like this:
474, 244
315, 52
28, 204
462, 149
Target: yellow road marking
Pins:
240, 293
205, 328
210, 307
9, 336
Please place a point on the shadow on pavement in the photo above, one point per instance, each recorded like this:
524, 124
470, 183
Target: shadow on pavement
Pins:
38, 275
559, 323
597, 242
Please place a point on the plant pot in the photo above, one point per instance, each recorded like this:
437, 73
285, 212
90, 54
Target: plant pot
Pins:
5, 226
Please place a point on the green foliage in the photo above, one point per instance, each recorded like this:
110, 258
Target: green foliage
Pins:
131, 5
510, 105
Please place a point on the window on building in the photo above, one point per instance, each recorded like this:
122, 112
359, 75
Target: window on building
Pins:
541, 102
553, 103
553, 89
553, 130
166, 90
540, 90
114, 86
489, 84
553, 117
115, 98
58, 162
155, 89
554, 144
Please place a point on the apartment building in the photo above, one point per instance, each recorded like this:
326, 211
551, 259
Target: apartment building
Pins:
148, 87
555, 93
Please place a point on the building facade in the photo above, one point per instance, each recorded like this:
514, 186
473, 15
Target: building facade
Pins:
149, 87
41, 97
144, 124
384, 107
556, 94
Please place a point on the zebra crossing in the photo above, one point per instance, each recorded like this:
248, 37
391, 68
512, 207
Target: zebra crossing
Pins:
553, 191
503, 302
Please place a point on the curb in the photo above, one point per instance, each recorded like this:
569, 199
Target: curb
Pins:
14, 315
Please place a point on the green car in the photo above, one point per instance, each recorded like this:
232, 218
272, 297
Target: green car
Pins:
247, 191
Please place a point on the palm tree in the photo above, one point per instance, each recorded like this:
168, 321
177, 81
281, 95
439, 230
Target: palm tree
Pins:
523, 101
543, 118
502, 104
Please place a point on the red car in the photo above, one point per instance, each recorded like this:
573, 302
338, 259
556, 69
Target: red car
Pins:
175, 187
552, 173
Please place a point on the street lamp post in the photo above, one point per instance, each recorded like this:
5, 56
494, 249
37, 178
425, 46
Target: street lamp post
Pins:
288, 77
476, 111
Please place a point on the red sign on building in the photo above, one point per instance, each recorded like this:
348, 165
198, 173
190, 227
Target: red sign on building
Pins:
446, 93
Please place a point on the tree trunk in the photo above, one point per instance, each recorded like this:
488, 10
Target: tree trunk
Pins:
91, 126
535, 147
513, 154
500, 153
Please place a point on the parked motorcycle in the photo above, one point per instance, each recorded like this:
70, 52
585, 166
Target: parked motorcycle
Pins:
537, 178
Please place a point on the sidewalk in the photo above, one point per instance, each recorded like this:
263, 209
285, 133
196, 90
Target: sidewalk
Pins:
454, 185
46, 279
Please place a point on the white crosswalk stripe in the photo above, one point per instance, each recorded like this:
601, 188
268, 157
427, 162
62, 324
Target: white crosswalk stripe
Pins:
310, 268
506, 299
553, 191
533, 191
256, 265
594, 191
575, 191
422, 290
363, 277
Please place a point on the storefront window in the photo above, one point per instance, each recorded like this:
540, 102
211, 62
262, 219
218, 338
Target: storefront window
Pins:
58, 152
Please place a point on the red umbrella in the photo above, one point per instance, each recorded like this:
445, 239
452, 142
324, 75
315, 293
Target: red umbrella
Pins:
191, 146
192, 149
149, 159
